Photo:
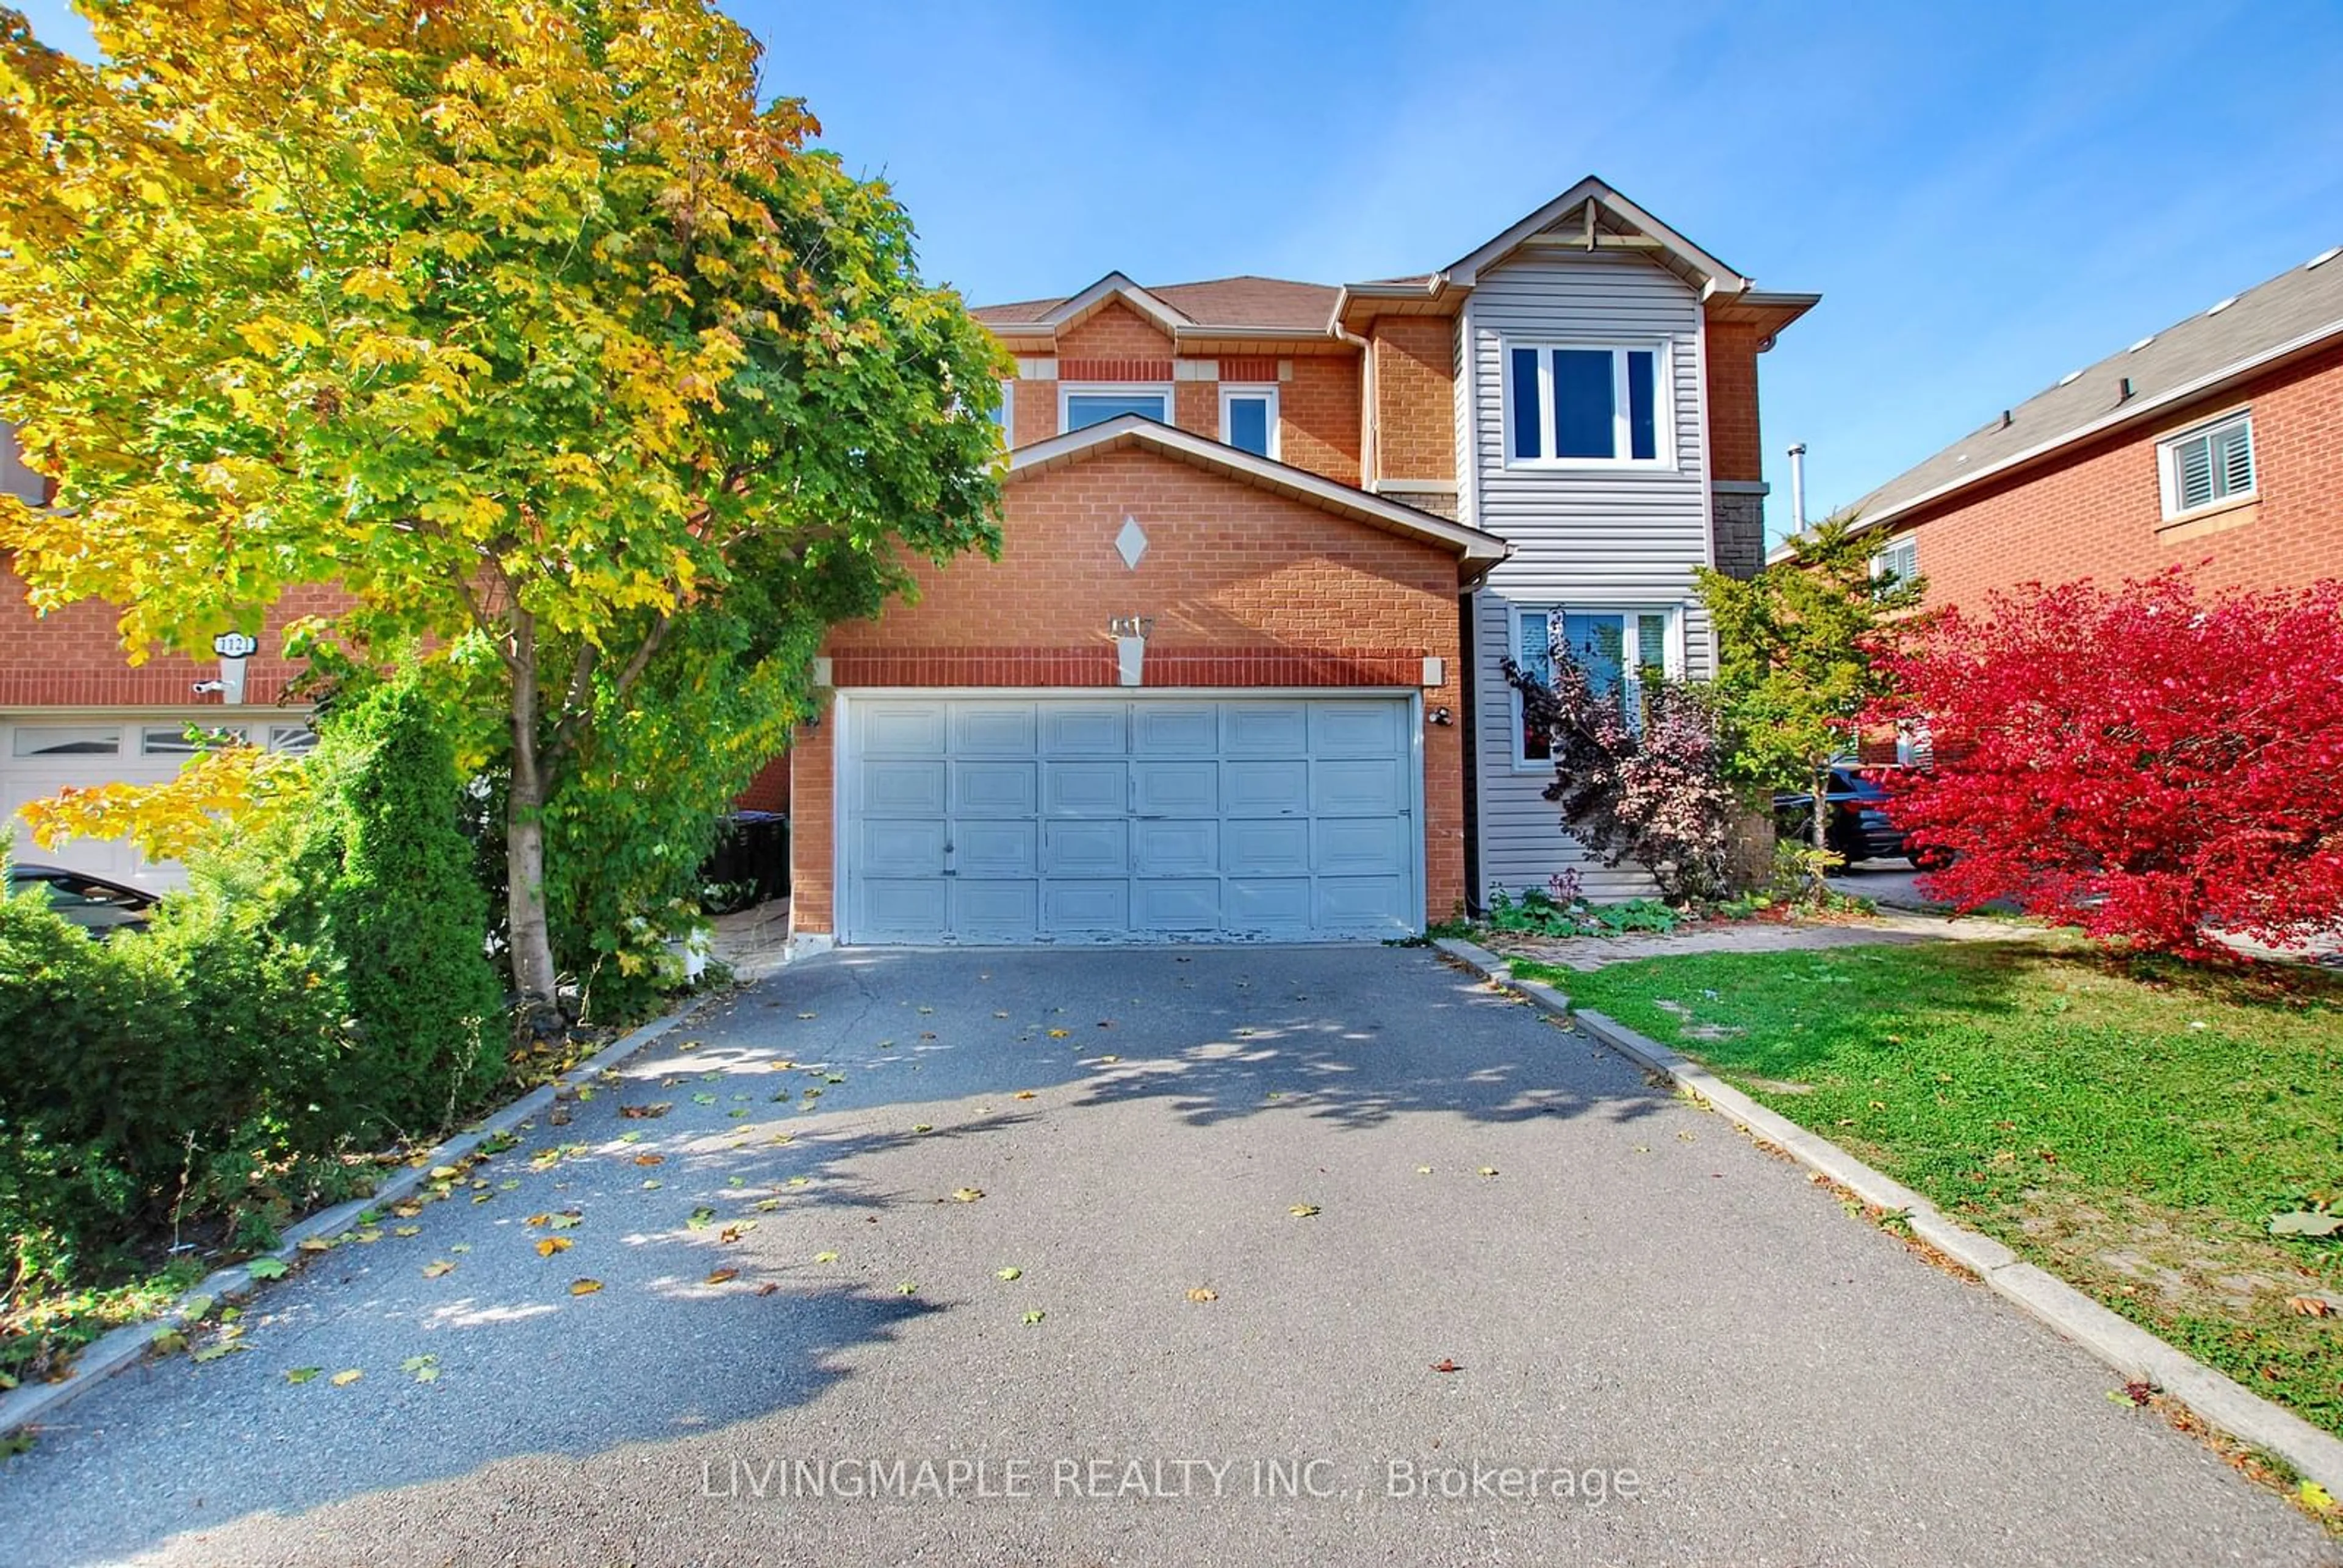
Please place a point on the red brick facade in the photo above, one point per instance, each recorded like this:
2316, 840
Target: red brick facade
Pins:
1246, 588
1415, 398
73, 657
2095, 511
1735, 445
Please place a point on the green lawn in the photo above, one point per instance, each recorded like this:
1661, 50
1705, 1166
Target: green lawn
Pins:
2129, 1126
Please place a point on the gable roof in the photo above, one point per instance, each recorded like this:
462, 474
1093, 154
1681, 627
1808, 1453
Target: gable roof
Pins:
2290, 314
1590, 216
1475, 551
1588, 211
1246, 302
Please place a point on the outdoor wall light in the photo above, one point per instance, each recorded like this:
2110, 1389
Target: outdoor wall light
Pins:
1441, 716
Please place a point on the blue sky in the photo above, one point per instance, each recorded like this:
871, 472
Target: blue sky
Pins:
1988, 195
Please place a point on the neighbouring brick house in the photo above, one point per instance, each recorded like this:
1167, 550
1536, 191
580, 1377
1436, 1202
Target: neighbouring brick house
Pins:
1236, 672
2215, 445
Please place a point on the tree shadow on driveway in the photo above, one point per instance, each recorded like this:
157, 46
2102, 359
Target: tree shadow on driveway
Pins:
825, 1111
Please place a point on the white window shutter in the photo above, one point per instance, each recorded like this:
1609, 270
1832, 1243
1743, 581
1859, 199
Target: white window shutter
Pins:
2236, 451
2192, 464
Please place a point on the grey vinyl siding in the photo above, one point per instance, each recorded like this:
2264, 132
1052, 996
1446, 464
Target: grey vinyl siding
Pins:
1584, 538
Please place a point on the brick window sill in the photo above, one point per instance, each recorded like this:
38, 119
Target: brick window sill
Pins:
2213, 519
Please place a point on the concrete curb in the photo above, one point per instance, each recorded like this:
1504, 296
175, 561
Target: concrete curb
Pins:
126, 1346
2122, 1344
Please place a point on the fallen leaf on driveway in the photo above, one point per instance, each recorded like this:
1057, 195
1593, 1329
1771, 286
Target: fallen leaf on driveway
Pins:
461, 1247
1445, 1364
720, 1276
703, 1099
921, 1127
806, 1015
1424, 1170
344, 1379
966, 1194
1488, 1169
733, 1233
1012, 1273
1060, 1033
825, 1257
644, 1112
407, 1210
552, 1244
1203, 1294
1024, 1094
584, 1287
301, 1374
436, 1267
1303, 1210
1035, 1316
2309, 1306
266, 1268
403, 1231
1110, 1058
651, 1159
368, 1237
768, 1288
212, 1353
423, 1369
907, 1289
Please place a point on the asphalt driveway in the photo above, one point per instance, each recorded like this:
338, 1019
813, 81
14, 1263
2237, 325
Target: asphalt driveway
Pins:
962, 1209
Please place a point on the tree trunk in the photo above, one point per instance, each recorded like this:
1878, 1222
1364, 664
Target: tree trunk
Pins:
532, 939
1820, 783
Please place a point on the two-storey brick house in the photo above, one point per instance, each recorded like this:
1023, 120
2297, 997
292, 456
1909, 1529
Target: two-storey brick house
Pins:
1552, 432
1236, 672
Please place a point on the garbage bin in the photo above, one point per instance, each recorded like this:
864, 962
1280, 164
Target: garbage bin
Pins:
750, 863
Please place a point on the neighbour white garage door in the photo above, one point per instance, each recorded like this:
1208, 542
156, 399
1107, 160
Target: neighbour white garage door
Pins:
40, 756
986, 820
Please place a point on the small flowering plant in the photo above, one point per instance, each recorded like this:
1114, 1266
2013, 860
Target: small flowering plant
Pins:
1651, 792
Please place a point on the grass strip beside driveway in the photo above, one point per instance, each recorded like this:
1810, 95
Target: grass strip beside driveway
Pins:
2130, 1125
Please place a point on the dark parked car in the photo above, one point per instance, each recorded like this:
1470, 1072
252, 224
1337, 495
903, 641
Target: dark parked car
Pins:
97, 905
1857, 827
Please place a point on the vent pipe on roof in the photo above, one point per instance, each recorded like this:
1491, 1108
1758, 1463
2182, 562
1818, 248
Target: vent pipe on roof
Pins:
1798, 488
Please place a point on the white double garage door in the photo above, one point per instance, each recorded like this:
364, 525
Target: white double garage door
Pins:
1142, 819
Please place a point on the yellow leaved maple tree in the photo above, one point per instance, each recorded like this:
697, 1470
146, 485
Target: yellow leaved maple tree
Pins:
536, 327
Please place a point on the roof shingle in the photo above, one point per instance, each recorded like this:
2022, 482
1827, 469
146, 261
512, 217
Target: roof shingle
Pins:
2301, 303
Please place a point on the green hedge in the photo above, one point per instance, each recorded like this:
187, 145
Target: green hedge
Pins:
319, 987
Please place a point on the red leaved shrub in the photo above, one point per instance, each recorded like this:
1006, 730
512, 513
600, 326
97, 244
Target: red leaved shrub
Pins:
2142, 762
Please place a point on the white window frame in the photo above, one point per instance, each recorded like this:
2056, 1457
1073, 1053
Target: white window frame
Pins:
1881, 566
1673, 646
1663, 436
1264, 390
1070, 390
2168, 463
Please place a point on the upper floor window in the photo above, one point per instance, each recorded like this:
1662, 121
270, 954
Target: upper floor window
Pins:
1006, 414
2210, 463
1897, 562
17, 479
1615, 647
1249, 419
1572, 406
1081, 405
